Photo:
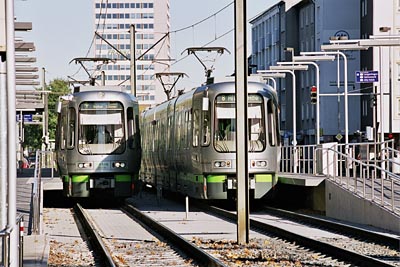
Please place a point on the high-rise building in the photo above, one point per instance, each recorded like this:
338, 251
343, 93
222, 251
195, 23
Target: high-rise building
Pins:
151, 19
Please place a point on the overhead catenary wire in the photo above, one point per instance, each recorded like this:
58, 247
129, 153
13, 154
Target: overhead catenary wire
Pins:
94, 35
192, 26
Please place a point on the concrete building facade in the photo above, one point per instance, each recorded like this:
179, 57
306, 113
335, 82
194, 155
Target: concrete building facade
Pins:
303, 27
380, 19
112, 20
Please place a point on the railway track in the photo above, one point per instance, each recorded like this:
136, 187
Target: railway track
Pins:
124, 242
348, 244
206, 233
217, 235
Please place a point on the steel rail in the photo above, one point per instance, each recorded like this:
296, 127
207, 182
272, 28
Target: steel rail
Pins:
329, 250
95, 239
381, 239
198, 254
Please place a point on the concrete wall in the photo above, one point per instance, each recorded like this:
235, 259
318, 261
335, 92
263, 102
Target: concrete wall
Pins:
342, 205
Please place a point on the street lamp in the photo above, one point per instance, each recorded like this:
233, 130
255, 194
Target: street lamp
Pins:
364, 44
317, 136
374, 41
346, 106
292, 67
270, 76
309, 60
290, 70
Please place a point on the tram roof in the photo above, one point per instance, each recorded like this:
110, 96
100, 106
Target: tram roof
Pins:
99, 88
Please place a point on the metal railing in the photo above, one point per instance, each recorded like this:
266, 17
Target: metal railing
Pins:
370, 170
5, 242
303, 155
43, 159
363, 178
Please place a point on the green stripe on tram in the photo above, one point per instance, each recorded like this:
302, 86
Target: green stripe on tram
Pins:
80, 178
263, 178
216, 178
123, 178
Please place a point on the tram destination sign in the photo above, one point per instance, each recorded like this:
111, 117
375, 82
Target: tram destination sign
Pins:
367, 76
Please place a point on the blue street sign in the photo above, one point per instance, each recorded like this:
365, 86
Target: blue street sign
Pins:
367, 76
27, 117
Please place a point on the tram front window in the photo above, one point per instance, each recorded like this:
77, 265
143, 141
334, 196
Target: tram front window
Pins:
225, 121
101, 129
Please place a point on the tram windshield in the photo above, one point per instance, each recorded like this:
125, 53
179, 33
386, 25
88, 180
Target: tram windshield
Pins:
225, 121
101, 128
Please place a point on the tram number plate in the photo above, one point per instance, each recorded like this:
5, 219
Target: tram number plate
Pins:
103, 183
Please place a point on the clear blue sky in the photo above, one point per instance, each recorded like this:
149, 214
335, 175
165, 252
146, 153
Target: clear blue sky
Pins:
63, 30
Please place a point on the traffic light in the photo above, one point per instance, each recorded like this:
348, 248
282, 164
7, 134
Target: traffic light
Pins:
313, 95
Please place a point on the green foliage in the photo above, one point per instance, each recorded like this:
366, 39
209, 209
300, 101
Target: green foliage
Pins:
33, 136
34, 133
58, 87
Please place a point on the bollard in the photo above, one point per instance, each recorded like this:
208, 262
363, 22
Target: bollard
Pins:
187, 207
21, 242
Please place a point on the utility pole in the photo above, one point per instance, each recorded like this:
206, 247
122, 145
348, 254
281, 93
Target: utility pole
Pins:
133, 60
242, 188
3, 122
45, 115
11, 133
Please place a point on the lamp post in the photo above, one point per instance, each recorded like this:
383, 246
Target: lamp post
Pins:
309, 60
290, 70
346, 105
364, 44
271, 76
374, 41
317, 83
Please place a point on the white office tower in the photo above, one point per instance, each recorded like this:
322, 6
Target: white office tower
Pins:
112, 20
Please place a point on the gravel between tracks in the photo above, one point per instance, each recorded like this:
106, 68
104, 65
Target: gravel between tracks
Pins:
67, 248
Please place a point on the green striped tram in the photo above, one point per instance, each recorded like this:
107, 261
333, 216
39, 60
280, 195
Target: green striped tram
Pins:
98, 142
189, 142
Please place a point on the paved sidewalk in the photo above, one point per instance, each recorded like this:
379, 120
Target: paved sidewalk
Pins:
36, 250
36, 247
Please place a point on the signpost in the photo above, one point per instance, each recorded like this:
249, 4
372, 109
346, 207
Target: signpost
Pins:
367, 76
26, 117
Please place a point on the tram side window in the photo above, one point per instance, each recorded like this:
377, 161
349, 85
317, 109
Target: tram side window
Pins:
189, 127
196, 128
271, 123
206, 128
71, 128
256, 127
63, 130
170, 135
132, 133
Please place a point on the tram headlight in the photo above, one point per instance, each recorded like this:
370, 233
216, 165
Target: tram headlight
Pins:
119, 164
259, 163
222, 164
85, 165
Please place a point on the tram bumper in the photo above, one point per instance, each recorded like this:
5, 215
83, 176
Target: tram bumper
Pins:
223, 186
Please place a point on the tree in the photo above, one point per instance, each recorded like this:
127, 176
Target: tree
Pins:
34, 133
58, 87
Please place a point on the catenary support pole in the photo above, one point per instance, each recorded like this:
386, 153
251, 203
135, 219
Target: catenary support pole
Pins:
133, 60
11, 140
243, 223
3, 147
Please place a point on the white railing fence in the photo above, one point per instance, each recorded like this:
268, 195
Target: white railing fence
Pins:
370, 170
